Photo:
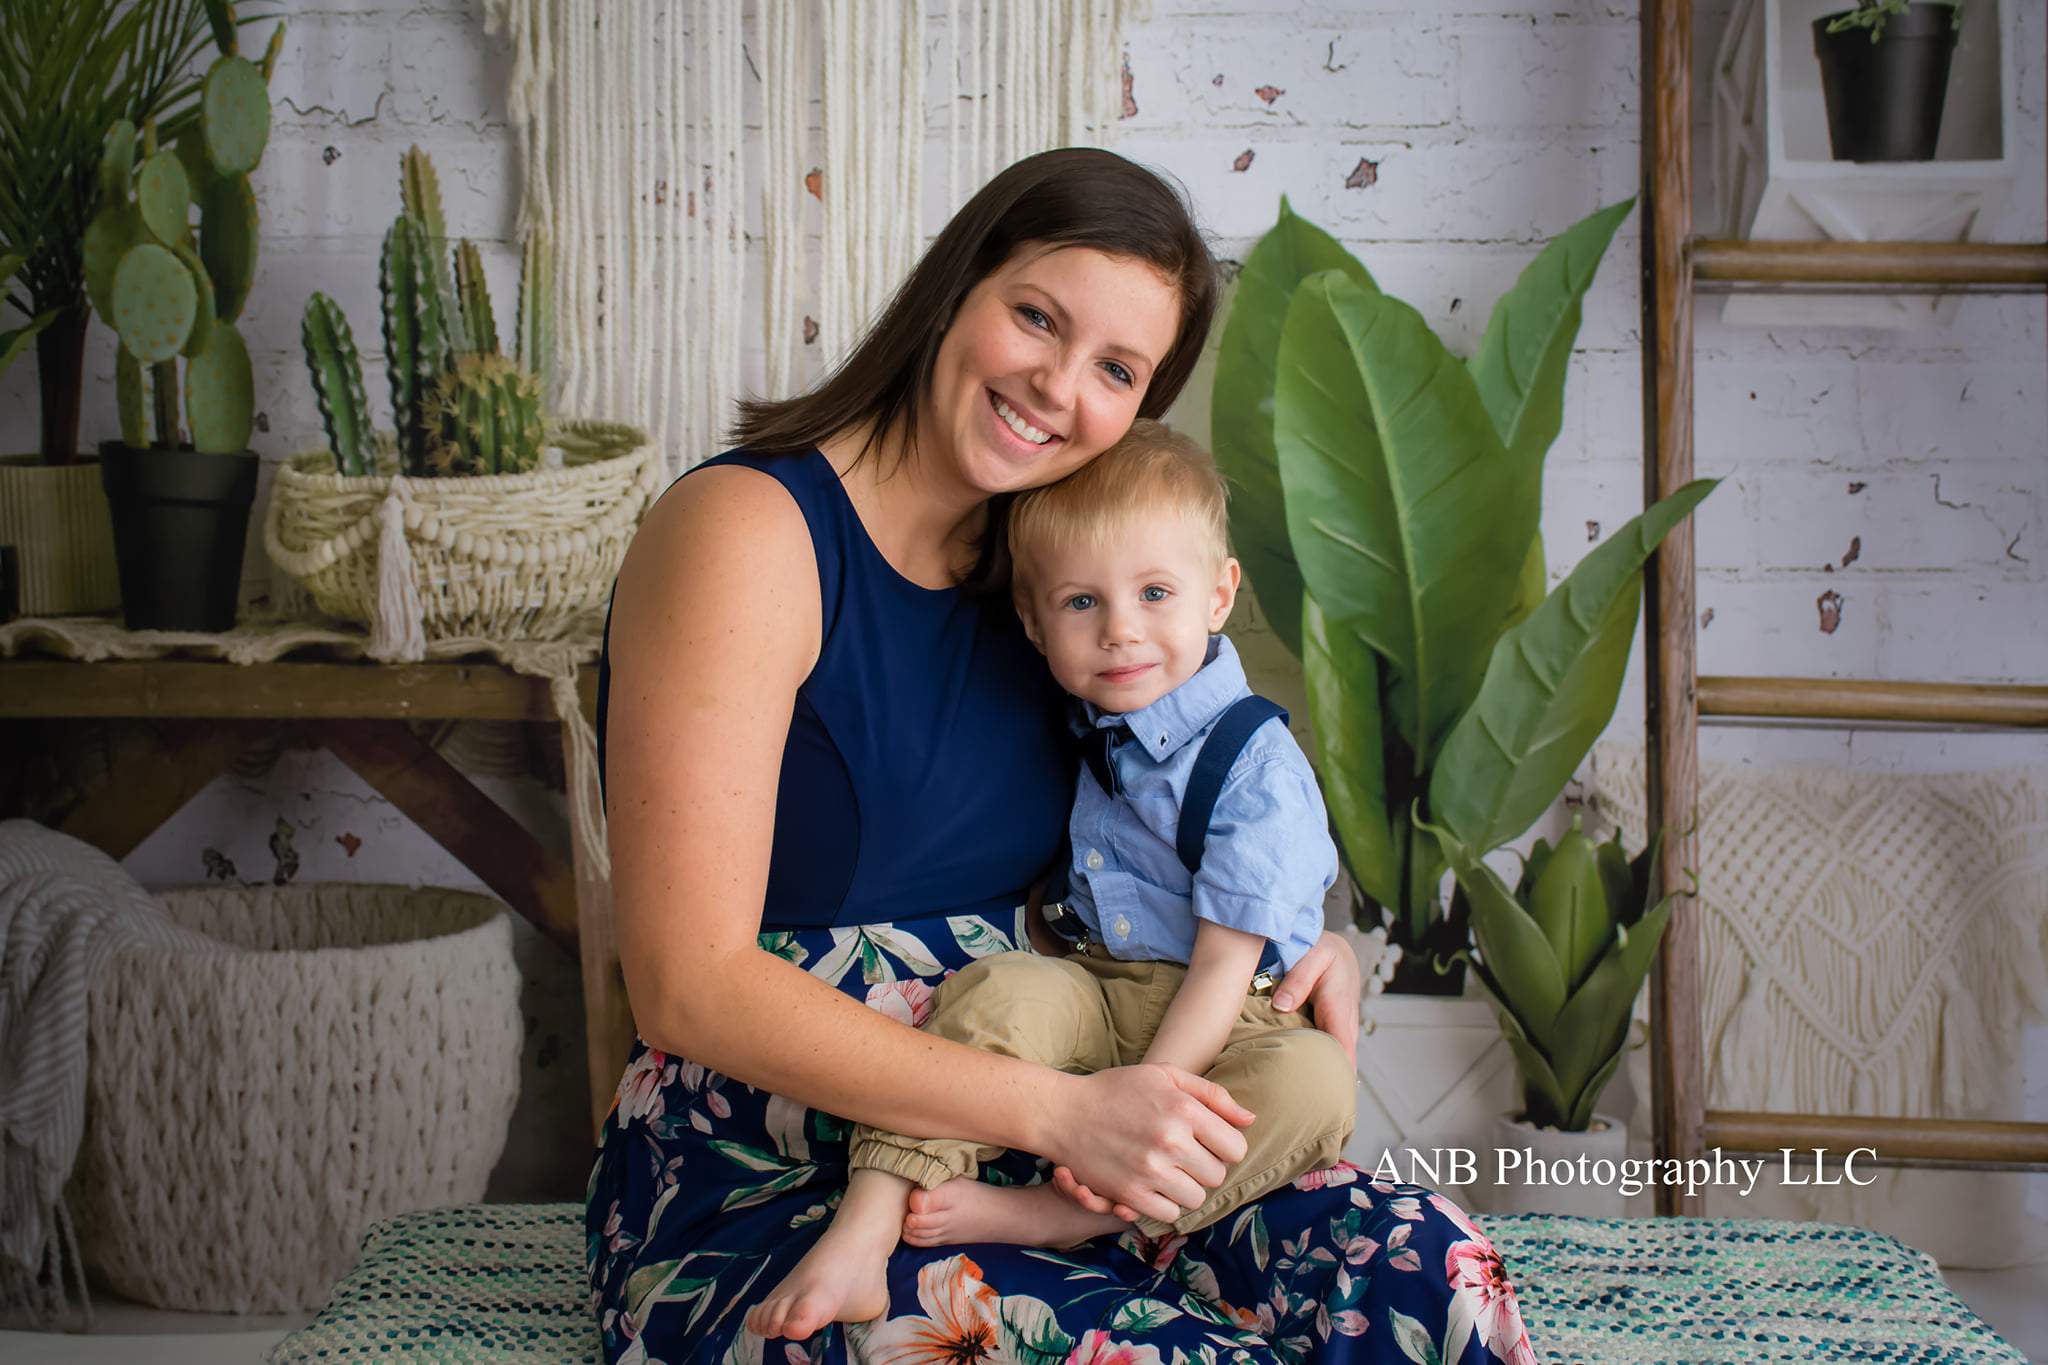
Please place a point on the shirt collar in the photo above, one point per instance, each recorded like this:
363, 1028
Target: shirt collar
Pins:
1174, 719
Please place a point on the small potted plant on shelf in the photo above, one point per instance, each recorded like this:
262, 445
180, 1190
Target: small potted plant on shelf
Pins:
181, 479
476, 516
1385, 506
71, 69
1562, 957
1884, 74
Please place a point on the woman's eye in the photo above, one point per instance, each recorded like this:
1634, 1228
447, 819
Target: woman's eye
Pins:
1122, 375
1155, 593
1080, 601
1034, 317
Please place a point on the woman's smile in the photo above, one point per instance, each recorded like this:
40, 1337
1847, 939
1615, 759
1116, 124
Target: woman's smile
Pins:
1016, 430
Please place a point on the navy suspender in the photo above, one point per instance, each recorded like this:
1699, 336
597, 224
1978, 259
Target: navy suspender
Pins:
1205, 782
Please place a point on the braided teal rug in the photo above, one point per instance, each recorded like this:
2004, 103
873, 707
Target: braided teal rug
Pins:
504, 1282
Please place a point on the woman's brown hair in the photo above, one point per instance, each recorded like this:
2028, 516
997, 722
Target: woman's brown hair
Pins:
1074, 196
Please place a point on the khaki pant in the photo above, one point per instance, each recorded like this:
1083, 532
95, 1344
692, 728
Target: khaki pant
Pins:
1090, 1012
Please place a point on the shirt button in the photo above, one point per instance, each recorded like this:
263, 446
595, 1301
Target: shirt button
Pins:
1123, 926
1094, 860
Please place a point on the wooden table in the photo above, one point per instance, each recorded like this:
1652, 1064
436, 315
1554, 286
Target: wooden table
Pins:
357, 711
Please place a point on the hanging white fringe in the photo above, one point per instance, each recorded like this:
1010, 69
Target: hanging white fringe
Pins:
630, 127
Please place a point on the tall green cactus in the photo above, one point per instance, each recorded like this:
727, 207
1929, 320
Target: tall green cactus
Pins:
166, 293
338, 385
459, 406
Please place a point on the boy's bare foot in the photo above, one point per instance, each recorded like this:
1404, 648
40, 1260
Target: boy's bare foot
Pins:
1024, 1215
844, 1278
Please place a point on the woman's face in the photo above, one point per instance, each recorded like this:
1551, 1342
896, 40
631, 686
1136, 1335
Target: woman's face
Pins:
1045, 365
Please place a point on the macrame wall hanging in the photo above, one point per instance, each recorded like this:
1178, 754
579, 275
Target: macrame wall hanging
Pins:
860, 125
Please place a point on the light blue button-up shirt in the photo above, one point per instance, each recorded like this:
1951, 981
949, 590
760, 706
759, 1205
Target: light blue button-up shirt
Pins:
1269, 856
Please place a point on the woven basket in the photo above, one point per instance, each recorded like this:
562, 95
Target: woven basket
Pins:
487, 556
323, 1057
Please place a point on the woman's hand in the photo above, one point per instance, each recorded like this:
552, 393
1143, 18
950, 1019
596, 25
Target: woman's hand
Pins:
1155, 1138
1327, 977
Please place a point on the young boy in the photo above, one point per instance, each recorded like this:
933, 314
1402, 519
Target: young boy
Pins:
1122, 577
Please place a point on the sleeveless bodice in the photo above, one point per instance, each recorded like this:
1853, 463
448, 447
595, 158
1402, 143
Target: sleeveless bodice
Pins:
926, 768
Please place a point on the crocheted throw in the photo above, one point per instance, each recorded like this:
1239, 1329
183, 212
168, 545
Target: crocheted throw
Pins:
505, 1282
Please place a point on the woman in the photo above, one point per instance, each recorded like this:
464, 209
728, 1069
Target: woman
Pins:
840, 766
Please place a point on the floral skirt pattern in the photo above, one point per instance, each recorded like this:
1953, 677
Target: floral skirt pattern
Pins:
706, 1192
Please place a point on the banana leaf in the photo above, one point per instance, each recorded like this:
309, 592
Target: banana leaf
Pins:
1521, 361
1241, 407
1343, 680
1399, 496
1550, 688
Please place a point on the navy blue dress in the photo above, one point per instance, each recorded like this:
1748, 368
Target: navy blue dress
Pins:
924, 786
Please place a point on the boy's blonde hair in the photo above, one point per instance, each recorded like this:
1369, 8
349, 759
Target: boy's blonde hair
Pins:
1152, 469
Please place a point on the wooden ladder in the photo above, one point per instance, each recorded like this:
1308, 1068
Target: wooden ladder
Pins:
1673, 261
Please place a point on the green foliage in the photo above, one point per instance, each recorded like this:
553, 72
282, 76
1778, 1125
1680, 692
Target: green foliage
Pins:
459, 406
1874, 14
71, 71
1397, 489
165, 292
1563, 956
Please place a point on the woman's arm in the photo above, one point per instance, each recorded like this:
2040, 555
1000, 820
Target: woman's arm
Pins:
714, 625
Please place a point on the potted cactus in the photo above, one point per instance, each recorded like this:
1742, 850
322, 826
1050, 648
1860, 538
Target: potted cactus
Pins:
475, 514
71, 69
181, 479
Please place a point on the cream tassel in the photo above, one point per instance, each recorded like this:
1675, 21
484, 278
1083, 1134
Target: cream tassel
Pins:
585, 796
398, 635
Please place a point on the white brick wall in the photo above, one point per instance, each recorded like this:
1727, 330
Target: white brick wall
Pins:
1491, 125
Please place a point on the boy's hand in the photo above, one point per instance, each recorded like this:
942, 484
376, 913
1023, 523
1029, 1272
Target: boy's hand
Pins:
1327, 978
1063, 1181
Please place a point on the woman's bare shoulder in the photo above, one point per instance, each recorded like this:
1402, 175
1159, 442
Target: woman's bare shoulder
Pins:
723, 550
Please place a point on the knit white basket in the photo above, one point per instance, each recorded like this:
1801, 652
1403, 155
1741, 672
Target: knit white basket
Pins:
324, 1057
483, 556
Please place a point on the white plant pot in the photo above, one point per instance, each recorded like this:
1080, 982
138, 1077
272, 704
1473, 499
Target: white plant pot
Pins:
1548, 1170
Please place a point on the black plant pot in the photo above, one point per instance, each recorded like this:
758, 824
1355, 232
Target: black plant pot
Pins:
180, 519
1884, 98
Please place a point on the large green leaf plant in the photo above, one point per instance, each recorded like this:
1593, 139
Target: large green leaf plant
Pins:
1385, 497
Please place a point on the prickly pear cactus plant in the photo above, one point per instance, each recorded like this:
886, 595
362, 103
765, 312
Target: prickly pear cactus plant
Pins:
170, 291
459, 406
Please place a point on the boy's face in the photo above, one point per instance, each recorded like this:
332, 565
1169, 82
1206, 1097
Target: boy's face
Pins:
1125, 624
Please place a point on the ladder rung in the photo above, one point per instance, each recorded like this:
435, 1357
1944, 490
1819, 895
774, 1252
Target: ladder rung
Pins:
2022, 265
1992, 1142
2009, 706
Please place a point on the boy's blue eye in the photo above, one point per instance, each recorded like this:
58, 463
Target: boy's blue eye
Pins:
1154, 593
1080, 601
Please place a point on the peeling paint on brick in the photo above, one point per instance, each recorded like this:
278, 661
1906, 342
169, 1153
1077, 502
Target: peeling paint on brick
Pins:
1363, 176
1217, 80
349, 843
282, 849
1592, 531
1706, 618
1269, 93
1855, 551
1857, 486
810, 330
329, 155
1244, 160
814, 181
1830, 604
1130, 100
219, 867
